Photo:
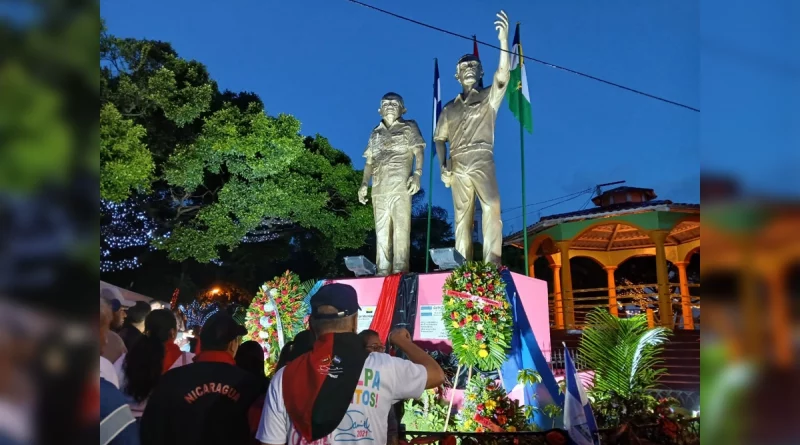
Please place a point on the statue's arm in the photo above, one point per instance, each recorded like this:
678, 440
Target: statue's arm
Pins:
502, 74
441, 153
440, 138
417, 147
367, 174
368, 166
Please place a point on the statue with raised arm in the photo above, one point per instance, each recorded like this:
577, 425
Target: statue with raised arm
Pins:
467, 124
393, 146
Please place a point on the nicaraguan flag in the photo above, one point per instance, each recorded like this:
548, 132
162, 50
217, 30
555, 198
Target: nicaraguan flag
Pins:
578, 417
437, 96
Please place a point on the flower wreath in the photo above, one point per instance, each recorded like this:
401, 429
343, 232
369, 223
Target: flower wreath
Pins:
487, 408
278, 303
476, 315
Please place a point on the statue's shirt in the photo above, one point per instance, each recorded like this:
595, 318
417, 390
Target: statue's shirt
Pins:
468, 122
390, 151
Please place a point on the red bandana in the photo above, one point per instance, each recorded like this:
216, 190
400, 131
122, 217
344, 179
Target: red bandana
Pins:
171, 354
215, 356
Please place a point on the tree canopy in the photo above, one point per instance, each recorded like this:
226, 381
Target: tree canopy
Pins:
202, 186
211, 168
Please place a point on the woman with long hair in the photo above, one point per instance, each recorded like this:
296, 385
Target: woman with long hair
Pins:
151, 356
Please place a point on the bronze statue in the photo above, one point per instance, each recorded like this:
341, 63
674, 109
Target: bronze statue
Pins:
467, 123
391, 150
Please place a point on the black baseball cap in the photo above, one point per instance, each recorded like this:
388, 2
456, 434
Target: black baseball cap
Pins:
341, 296
219, 330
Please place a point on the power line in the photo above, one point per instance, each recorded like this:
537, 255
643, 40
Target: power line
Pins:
547, 207
548, 200
532, 59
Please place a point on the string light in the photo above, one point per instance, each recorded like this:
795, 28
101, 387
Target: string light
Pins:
125, 227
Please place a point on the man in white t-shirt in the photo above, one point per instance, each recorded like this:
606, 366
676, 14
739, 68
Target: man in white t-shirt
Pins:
339, 392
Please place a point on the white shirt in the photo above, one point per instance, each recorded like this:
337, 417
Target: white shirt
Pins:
108, 372
385, 380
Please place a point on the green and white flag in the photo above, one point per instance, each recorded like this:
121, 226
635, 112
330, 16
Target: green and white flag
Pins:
519, 99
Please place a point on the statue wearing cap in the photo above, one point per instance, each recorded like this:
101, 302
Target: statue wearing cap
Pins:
391, 150
467, 123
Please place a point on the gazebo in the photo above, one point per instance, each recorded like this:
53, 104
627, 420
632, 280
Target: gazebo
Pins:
626, 222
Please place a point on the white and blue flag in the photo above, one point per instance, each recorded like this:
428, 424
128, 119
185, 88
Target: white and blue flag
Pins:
437, 97
578, 417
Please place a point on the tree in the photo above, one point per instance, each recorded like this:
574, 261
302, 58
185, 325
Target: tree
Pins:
441, 230
211, 168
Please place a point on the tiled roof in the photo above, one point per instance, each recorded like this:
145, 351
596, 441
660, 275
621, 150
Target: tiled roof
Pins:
609, 210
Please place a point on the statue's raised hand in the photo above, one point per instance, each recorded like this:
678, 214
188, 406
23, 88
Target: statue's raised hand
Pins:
501, 25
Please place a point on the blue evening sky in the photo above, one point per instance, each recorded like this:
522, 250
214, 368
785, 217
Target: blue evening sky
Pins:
329, 62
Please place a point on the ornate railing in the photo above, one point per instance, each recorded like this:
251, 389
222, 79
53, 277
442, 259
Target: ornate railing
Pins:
644, 296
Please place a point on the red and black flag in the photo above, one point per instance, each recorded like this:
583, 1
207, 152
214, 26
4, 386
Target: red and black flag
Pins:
319, 386
477, 56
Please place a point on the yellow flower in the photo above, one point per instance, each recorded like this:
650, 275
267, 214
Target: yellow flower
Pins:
483, 353
472, 397
467, 423
483, 345
490, 404
511, 429
455, 324
465, 346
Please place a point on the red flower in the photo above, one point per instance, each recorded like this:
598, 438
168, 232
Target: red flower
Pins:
284, 292
476, 318
494, 319
469, 304
454, 316
479, 336
480, 289
491, 286
469, 286
487, 309
501, 419
462, 322
479, 408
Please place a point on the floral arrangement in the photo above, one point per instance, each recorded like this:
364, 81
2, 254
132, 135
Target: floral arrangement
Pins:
487, 408
276, 313
476, 315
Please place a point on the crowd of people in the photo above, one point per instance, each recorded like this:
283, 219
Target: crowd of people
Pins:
331, 385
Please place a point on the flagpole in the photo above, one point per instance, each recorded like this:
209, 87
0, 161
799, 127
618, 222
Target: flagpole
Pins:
522, 164
430, 180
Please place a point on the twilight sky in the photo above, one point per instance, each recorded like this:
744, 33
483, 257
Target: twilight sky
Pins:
328, 62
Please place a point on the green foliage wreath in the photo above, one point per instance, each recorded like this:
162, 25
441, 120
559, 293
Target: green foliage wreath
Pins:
476, 315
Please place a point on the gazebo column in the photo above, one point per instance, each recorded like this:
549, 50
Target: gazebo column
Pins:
664, 299
686, 298
566, 285
558, 303
779, 316
612, 291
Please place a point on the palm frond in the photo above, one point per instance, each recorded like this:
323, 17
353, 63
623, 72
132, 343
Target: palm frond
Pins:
306, 286
623, 352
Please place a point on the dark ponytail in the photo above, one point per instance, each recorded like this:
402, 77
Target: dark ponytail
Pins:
144, 362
